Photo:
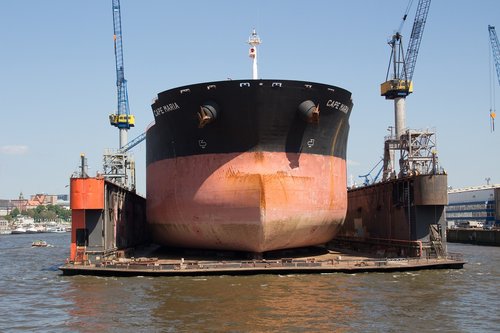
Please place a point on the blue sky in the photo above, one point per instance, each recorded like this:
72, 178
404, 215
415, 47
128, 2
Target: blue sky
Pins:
57, 75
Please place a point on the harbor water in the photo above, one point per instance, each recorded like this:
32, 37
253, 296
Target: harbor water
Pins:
35, 297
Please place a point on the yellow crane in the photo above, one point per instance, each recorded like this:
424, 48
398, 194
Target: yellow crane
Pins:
122, 119
398, 82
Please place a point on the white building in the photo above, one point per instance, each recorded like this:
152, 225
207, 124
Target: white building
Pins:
474, 206
4, 226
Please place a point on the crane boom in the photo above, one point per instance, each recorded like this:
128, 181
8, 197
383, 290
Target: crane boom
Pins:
495, 48
132, 143
122, 119
416, 37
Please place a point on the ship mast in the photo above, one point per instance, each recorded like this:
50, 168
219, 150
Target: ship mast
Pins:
254, 40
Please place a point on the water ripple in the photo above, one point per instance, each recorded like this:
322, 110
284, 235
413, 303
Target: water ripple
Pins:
34, 296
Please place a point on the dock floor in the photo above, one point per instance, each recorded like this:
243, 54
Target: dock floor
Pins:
309, 261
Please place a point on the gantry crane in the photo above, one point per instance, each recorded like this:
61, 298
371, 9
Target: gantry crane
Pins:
122, 118
495, 49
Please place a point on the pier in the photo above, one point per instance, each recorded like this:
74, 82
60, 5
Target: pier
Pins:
474, 236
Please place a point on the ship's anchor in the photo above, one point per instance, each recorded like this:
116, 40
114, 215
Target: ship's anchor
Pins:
207, 114
309, 111
315, 115
203, 118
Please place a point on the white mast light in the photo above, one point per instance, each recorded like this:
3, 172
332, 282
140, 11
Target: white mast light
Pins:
254, 40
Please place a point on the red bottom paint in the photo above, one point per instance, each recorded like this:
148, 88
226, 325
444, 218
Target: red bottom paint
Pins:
255, 201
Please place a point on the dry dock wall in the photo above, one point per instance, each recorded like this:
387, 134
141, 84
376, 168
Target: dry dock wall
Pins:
403, 210
106, 218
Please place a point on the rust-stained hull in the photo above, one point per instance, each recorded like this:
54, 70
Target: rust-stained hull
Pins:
252, 202
260, 176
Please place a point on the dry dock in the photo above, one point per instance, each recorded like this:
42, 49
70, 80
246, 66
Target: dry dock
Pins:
110, 236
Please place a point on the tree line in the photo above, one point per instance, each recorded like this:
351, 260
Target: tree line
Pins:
42, 213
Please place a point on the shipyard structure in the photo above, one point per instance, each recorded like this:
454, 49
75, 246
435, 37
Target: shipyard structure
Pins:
476, 206
473, 215
403, 214
249, 176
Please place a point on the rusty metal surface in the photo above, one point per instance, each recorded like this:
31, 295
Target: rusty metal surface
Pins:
105, 218
253, 201
402, 209
332, 262
125, 218
87, 193
431, 190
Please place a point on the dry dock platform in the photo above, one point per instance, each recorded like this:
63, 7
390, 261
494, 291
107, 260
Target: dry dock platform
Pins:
329, 262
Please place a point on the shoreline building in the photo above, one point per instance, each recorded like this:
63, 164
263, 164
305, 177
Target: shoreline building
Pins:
40, 200
7, 205
476, 206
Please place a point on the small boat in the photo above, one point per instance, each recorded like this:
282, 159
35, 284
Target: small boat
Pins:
57, 229
39, 243
31, 230
19, 230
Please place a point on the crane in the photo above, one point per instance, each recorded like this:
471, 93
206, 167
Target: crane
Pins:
400, 84
122, 119
495, 49
397, 86
369, 179
119, 165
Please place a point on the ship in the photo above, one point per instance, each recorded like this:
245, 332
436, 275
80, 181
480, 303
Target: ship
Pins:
247, 165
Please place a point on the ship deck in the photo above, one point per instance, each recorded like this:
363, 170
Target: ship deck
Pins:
171, 263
